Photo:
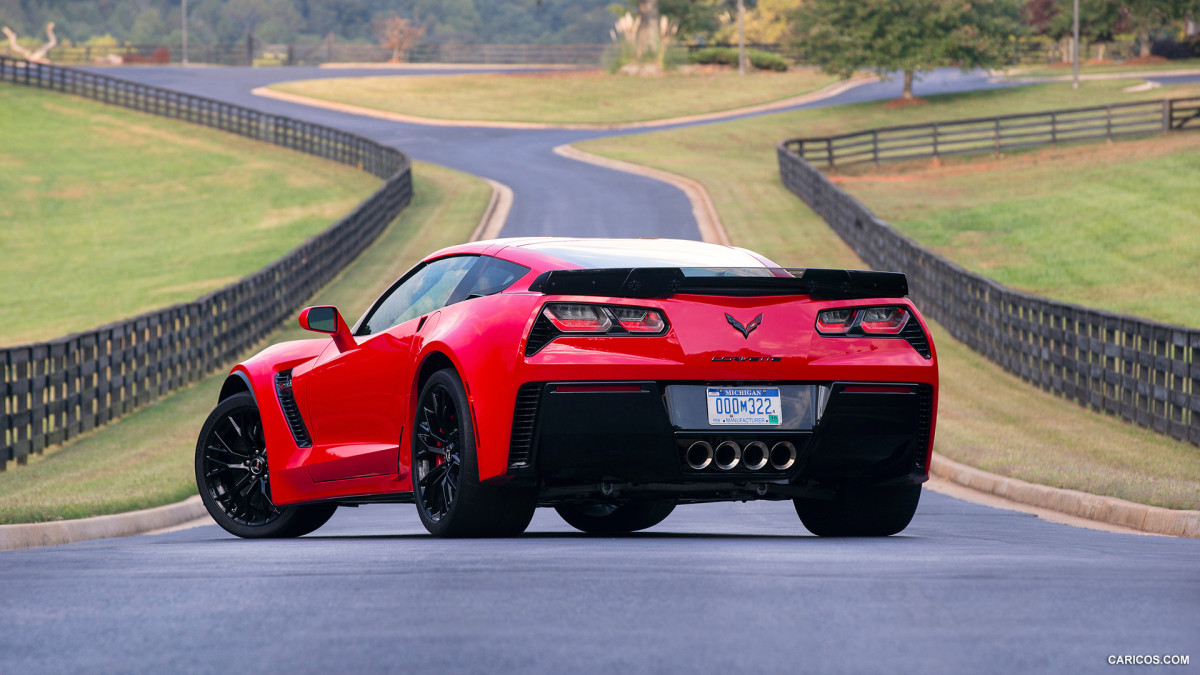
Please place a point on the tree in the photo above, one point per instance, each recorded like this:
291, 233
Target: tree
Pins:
647, 28
910, 36
1147, 16
397, 34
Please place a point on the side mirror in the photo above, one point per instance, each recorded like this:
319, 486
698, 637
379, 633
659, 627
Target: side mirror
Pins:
326, 319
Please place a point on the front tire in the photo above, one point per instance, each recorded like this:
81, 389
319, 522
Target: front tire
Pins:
232, 476
615, 518
445, 470
863, 512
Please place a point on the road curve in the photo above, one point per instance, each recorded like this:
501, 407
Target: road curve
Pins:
715, 588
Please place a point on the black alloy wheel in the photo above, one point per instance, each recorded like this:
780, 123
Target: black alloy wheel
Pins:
450, 499
234, 483
438, 459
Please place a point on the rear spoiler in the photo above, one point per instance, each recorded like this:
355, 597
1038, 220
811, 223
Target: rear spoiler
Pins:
662, 282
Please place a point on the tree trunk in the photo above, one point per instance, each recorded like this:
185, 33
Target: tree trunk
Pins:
908, 81
647, 34
1144, 36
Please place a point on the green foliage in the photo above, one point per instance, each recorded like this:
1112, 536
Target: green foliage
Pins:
727, 56
843, 36
307, 21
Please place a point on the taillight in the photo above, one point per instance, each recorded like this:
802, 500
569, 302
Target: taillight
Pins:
883, 320
836, 321
863, 320
573, 318
639, 320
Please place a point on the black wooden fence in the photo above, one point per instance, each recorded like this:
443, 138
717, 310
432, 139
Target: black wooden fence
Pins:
56, 390
999, 134
1144, 371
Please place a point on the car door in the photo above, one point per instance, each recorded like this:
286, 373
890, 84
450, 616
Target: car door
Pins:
357, 399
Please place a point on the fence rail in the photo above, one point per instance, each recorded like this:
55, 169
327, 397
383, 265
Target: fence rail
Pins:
58, 389
999, 134
1144, 371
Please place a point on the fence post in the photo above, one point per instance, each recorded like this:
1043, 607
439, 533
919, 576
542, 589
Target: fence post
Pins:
875, 146
996, 137
1053, 128
829, 151
935, 141
1166, 113
1108, 123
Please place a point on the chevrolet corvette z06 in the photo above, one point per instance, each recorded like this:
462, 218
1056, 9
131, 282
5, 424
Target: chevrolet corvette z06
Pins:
612, 380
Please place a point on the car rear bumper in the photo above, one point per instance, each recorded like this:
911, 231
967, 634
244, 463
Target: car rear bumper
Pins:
633, 434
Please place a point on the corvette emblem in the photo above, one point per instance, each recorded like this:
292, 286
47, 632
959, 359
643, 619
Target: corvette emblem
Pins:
748, 328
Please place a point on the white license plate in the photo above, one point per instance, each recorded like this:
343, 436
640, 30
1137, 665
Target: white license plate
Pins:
758, 406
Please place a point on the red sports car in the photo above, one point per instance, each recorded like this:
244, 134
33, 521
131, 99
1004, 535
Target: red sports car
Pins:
612, 379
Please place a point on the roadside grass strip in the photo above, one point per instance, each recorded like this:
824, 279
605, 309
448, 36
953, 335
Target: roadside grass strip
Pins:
145, 459
1064, 69
988, 418
109, 213
571, 97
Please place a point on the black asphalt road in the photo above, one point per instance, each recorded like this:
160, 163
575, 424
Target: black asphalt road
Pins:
552, 195
726, 588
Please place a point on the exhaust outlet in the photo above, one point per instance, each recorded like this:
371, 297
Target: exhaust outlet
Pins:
699, 455
727, 455
754, 455
783, 456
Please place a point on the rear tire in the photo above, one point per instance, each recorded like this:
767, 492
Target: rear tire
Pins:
863, 512
232, 476
615, 518
445, 470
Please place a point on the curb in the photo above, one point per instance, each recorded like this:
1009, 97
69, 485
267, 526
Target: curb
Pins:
711, 229
496, 213
820, 94
1119, 512
29, 535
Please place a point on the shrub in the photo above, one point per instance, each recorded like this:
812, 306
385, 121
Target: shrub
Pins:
727, 56
768, 61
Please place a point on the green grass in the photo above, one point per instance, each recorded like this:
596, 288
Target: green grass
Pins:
561, 97
987, 417
1110, 226
108, 213
1103, 68
145, 459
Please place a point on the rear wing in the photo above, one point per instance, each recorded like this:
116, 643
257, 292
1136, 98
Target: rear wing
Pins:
662, 282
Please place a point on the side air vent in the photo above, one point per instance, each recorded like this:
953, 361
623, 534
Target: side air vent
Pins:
540, 335
924, 421
524, 415
283, 389
913, 334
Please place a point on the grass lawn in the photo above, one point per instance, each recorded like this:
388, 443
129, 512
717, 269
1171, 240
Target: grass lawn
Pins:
572, 97
108, 213
145, 459
1113, 226
988, 418
1103, 68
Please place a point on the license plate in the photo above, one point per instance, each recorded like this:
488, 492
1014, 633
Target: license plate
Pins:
757, 406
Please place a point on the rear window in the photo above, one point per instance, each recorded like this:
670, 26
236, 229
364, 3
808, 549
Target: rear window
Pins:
626, 253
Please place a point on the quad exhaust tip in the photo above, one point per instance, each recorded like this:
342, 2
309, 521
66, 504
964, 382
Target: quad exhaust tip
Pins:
699, 455
727, 455
783, 456
754, 455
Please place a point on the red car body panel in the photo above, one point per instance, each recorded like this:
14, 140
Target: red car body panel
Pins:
359, 402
